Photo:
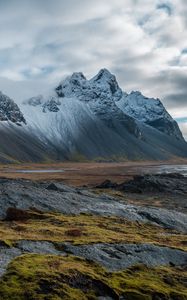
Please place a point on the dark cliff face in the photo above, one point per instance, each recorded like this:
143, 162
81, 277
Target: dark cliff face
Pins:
9, 110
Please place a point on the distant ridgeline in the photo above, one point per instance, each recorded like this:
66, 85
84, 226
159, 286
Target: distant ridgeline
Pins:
88, 120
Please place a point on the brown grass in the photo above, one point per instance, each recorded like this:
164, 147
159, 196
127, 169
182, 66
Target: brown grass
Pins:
78, 174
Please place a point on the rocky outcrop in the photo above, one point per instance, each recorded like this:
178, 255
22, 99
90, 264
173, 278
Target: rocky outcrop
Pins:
24, 195
159, 183
114, 257
9, 110
117, 257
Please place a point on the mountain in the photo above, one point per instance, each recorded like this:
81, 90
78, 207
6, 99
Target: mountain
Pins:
91, 119
149, 111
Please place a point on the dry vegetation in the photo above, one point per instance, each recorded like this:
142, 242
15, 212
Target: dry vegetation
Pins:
79, 174
84, 229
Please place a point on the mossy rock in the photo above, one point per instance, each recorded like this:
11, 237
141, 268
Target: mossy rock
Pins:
51, 277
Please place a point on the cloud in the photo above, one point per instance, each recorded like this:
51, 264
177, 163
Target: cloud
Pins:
166, 7
143, 42
183, 127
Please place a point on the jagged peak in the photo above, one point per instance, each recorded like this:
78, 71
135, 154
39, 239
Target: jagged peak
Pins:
78, 75
77, 85
106, 79
104, 74
75, 77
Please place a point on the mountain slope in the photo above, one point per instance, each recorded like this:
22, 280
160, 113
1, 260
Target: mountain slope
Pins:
16, 143
91, 119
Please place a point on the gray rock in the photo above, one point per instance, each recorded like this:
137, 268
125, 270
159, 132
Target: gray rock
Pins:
39, 247
114, 257
117, 257
6, 255
159, 183
26, 194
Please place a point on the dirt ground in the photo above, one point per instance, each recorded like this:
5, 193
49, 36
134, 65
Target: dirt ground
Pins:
80, 174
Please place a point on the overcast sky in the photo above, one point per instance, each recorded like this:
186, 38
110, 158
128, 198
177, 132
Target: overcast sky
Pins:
143, 42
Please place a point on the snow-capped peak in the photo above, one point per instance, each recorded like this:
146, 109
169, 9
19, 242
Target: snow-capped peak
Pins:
106, 80
106, 99
78, 76
104, 85
103, 75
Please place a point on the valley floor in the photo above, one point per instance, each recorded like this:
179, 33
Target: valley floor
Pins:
88, 173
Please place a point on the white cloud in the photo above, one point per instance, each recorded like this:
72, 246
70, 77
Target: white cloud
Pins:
44, 40
183, 127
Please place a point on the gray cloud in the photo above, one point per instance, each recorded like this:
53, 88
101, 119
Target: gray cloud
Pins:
142, 42
166, 7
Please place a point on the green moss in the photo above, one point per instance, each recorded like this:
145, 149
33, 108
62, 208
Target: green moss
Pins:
86, 229
162, 281
40, 277
49, 277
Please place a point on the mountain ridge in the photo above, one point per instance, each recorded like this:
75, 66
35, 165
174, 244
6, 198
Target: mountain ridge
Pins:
93, 119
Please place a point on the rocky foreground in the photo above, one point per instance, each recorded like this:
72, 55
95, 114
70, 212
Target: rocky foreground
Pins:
62, 242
